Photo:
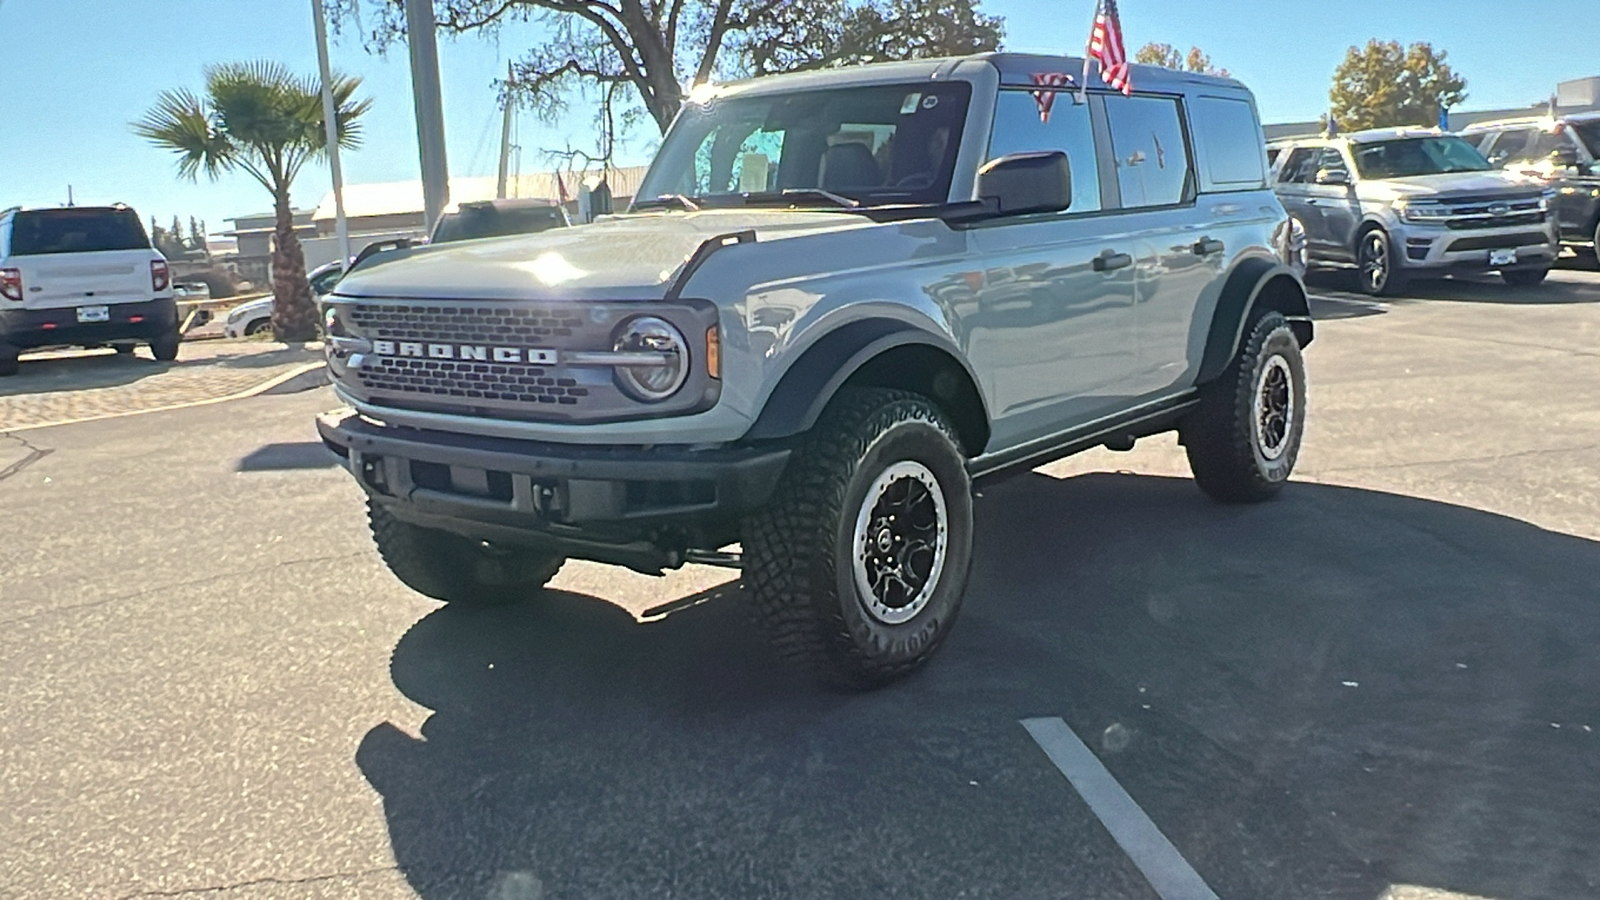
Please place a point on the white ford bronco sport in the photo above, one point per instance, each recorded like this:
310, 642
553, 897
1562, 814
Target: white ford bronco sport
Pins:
839, 300
82, 276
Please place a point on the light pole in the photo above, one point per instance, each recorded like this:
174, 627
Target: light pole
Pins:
330, 120
430, 108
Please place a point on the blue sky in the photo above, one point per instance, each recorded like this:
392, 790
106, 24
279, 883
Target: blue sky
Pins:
74, 73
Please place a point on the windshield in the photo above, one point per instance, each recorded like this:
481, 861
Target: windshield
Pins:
876, 144
76, 230
1589, 133
1406, 157
475, 221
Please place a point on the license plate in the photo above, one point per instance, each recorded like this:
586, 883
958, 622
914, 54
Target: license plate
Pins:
1502, 257
94, 314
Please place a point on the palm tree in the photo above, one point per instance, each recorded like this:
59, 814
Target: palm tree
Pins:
259, 118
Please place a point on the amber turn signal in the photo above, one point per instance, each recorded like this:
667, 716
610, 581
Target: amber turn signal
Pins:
713, 352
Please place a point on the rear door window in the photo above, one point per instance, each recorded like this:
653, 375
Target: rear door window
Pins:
1024, 123
76, 230
1511, 145
1151, 152
1229, 142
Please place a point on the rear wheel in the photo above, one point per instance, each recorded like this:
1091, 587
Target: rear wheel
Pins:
8, 359
1377, 271
1524, 277
165, 347
857, 567
455, 569
1243, 438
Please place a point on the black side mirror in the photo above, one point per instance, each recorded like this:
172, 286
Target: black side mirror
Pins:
1027, 182
1333, 176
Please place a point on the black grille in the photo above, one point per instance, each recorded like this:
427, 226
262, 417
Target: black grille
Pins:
466, 324
479, 381
1501, 242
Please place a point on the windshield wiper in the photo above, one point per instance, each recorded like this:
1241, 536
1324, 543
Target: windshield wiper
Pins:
665, 201
793, 196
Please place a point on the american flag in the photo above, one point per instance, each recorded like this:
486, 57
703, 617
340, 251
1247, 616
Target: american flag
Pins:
1105, 45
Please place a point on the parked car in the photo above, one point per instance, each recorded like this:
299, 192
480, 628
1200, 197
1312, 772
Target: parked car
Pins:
82, 276
497, 218
1562, 152
777, 346
1399, 203
255, 317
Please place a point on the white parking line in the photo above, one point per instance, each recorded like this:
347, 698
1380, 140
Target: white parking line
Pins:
1163, 866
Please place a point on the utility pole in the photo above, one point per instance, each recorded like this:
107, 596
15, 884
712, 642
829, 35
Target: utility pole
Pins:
505, 136
330, 120
430, 108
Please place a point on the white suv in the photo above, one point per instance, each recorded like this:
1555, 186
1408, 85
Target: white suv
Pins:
82, 276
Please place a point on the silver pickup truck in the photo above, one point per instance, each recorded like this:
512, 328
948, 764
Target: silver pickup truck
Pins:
839, 300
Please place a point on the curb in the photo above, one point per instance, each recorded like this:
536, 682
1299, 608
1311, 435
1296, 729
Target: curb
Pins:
311, 375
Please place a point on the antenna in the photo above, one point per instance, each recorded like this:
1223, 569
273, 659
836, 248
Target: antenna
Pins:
69, 195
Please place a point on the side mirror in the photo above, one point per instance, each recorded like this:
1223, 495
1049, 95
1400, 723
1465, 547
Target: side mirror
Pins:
1565, 157
1333, 176
1027, 182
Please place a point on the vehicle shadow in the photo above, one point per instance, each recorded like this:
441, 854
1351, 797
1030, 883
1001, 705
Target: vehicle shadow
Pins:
1468, 289
91, 369
1312, 698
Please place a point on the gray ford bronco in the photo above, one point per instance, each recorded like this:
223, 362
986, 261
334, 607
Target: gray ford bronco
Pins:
839, 300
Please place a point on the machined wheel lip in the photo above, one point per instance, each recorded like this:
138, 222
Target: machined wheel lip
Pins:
1375, 260
874, 538
1273, 419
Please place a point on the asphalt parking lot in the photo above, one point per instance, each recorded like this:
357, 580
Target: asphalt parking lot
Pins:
1381, 685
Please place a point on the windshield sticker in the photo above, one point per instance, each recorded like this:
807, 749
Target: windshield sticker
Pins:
1045, 99
909, 105
930, 101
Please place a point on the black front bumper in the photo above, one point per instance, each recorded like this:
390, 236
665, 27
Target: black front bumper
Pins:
50, 327
639, 507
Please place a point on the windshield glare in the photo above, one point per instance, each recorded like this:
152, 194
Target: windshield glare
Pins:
1407, 157
1589, 133
876, 144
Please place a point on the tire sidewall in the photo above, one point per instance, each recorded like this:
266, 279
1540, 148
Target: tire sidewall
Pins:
920, 441
1275, 338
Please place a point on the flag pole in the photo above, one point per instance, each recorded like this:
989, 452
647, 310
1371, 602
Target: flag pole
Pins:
1083, 83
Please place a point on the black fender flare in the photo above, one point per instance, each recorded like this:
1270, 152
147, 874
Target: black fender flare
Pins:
1240, 296
811, 382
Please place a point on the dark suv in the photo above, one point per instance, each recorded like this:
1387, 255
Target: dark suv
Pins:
1564, 152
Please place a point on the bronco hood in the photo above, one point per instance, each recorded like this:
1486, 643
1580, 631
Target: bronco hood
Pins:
632, 257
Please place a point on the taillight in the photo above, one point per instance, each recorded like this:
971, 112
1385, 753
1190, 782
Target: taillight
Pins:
11, 284
159, 277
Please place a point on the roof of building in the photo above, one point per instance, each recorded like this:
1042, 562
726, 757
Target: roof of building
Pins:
392, 198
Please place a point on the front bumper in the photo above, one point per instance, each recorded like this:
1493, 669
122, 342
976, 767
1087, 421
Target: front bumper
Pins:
51, 327
638, 507
1443, 249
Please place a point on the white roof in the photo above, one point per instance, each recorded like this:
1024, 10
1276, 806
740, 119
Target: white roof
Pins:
390, 198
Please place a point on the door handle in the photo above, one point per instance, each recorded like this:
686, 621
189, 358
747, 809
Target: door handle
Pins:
1207, 246
1110, 261
1313, 202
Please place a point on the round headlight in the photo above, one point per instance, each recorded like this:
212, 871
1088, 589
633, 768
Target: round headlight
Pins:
664, 363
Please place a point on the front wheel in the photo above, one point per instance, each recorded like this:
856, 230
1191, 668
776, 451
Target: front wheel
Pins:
455, 569
1524, 277
857, 568
1244, 436
1378, 272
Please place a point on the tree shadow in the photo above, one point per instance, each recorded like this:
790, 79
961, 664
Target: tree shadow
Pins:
105, 368
1312, 698
288, 455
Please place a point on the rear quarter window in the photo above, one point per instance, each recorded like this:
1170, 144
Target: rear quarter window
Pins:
1228, 143
76, 230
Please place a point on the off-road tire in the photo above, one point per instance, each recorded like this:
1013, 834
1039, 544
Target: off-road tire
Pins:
165, 347
1231, 460
455, 569
1394, 279
800, 563
8, 360
1524, 277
